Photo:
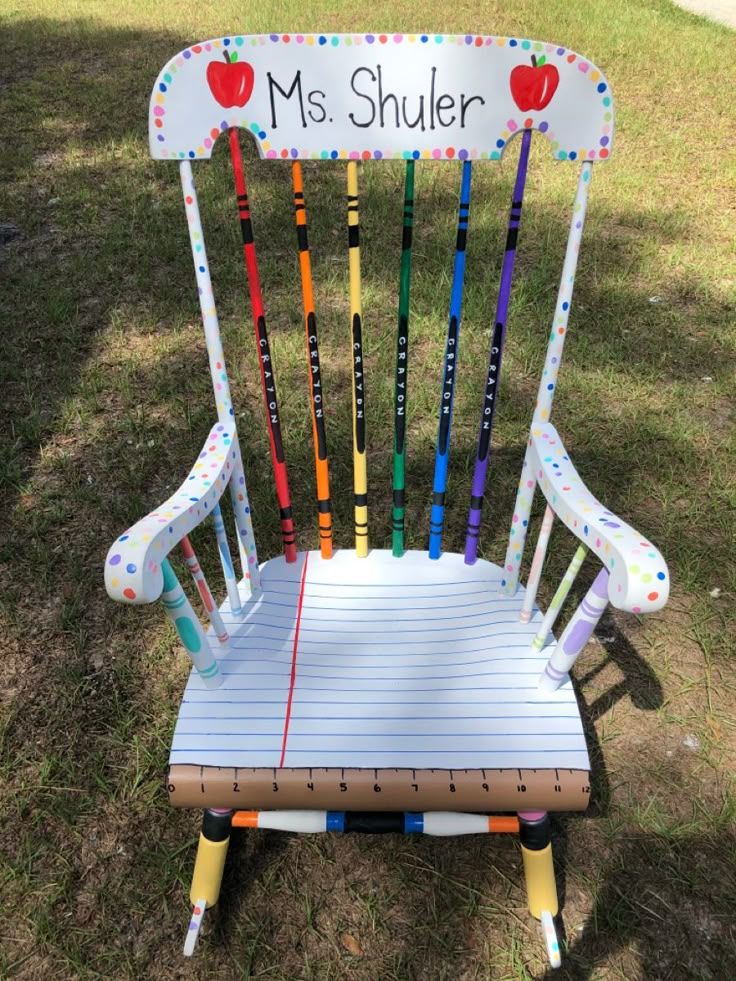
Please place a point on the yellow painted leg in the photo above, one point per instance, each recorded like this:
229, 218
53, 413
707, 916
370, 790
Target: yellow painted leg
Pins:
539, 873
208, 868
540, 881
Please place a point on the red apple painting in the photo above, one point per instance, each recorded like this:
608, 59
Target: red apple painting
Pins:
532, 86
231, 81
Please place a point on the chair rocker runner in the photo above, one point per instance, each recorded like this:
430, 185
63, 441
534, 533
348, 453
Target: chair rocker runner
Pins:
305, 710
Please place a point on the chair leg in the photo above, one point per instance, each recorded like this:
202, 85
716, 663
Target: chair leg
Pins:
539, 873
214, 839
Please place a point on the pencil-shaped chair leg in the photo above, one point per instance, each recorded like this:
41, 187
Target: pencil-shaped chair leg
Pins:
214, 839
539, 873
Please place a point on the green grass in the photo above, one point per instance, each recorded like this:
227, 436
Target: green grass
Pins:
106, 400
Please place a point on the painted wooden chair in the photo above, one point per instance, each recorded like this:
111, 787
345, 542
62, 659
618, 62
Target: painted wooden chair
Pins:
365, 689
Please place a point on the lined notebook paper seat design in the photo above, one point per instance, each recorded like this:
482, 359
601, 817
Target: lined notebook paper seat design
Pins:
386, 663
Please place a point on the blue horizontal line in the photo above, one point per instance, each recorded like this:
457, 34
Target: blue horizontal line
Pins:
316, 630
360, 667
403, 599
308, 606
408, 752
391, 735
339, 677
375, 752
256, 647
264, 749
383, 585
385, 643
234, 701
369, 718
337, 691
379, 701
386, 610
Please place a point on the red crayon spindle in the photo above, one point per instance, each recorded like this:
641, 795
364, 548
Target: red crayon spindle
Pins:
264, 353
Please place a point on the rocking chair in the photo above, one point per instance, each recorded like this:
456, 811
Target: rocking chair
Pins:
364, 689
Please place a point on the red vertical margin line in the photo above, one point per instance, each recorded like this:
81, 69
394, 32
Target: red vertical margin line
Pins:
293, 658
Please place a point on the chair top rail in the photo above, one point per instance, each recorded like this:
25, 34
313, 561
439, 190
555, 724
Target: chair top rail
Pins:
133, 565
380, 96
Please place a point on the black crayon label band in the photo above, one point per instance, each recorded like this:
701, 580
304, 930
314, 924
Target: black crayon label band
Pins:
316, 386
448, 385
489, 397
269, 387
358, 384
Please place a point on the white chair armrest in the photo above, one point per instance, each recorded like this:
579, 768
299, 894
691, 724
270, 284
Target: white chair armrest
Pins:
133, 564
639, 580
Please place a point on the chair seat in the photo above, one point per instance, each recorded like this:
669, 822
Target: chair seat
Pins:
380, 664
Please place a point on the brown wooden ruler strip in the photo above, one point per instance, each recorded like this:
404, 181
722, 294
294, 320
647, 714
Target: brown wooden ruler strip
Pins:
385, 789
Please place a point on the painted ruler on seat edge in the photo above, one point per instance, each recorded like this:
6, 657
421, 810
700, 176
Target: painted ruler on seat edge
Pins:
335, 788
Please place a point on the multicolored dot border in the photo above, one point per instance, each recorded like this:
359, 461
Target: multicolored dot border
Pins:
238, 43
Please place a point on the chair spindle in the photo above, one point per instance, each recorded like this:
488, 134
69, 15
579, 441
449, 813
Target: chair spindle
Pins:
202, 585
402, 369
319, 437
535, 572
360, 472
442, 454
186, 623
493, 378
559, 598
220, 383
268, 379
223, 547
545, 394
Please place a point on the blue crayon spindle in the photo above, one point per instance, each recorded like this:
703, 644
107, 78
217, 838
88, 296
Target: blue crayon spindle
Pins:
442, 456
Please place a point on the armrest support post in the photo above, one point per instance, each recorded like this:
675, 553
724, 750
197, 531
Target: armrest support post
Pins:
535, 572
200, 581
559, 598
223, 546
187, 625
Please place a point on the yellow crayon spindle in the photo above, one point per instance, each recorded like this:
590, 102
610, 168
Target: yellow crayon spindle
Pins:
360, 473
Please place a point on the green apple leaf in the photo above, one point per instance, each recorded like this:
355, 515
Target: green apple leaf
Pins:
233, 56
541, 61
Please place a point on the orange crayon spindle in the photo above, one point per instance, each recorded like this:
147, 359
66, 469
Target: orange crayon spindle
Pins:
315, 376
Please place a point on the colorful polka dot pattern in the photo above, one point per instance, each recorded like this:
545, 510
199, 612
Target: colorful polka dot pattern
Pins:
548, 382
237, 47
218, 373
133, 571
218, 369
639, 581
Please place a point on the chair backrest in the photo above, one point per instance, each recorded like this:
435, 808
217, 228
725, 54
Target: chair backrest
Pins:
361, 98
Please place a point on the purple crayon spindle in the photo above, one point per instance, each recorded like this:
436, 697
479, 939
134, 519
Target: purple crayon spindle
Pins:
576, 634
496, 355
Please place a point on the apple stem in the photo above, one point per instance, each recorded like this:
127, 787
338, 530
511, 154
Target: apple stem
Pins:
534, 60
226, 56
